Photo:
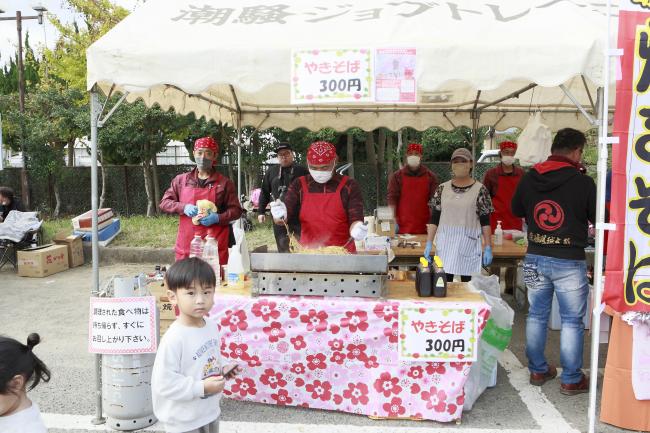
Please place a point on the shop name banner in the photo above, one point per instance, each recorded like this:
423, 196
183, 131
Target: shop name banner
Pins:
321, 76
395, 75
120, 326
627, 286
438, 334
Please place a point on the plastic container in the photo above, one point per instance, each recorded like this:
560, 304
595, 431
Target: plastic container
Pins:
423, 280
196, 246
498, 234
439, 279
211, 256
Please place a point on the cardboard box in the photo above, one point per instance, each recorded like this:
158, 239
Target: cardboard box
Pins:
164, 326
384, 221
84, 221
166, 310
42, 261
618, 405
75, 248
105, 235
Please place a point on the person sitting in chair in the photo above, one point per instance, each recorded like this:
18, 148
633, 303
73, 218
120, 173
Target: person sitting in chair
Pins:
8, 202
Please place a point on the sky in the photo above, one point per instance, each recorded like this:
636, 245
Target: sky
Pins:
39, 36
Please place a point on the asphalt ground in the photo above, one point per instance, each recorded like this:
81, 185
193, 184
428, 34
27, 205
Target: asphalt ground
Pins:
57, 308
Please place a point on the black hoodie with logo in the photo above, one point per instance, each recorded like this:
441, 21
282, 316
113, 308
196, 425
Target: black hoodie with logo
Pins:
558, 202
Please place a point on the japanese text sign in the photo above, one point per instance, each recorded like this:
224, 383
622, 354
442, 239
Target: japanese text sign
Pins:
119, 326
321, 76
395, 75
438, 334
627, 286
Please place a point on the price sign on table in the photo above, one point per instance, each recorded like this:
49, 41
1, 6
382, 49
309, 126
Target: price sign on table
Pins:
438, 333
119, 326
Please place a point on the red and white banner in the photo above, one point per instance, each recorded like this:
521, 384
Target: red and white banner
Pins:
627, 286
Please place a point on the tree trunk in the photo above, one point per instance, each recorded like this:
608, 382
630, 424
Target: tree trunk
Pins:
389, 154
350, 156
57, 197
229, 153
71, 154
155, 179
381, 162
148, 186
102, 197
371, 156
398, 151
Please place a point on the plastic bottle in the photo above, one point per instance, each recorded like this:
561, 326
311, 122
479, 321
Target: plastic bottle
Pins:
423, 279
498, 234
196, 247
439, 278
211, 256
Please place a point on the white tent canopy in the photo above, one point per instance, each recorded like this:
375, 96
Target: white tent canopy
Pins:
220, 59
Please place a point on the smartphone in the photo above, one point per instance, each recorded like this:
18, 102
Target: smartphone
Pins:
229, 371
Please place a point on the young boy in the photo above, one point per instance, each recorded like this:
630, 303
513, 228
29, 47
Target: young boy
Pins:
187, 378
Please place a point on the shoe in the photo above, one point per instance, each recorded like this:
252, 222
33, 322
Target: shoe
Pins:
539, 379
575, 388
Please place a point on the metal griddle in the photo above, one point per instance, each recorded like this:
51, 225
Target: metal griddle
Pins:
319, 274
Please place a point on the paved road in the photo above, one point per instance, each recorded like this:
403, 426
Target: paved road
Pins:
57, 308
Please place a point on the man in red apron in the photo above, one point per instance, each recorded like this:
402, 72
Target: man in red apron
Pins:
202, 183
501, 181
328, 206
409, 192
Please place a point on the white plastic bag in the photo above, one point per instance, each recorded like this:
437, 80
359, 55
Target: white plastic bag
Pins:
493, 342
238, 258
534, 142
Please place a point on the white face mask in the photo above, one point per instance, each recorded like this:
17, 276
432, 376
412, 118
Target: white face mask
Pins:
508, 160
321, 176
413, 161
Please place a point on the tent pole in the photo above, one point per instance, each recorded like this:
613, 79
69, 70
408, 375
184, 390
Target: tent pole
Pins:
584, 112
239, 139
94, 118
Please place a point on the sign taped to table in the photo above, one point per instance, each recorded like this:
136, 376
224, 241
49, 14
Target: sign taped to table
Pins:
331, 75
441, 333
121, 326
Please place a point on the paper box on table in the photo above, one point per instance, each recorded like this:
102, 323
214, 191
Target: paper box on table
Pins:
384, 221
42, 261
75, 248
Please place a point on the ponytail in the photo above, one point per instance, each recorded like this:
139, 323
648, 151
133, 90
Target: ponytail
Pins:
17, 358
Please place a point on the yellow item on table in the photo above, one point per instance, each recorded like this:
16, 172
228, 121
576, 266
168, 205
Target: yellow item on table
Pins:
206, 207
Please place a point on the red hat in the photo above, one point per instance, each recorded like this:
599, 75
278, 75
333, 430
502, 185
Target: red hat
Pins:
206, 143
414, 147
321, 153
507, 145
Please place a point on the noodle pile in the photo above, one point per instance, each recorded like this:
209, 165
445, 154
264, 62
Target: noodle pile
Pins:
296, 247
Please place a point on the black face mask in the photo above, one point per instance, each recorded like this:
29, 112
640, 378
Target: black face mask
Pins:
203, 164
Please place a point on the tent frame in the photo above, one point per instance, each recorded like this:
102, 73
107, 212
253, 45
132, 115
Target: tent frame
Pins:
600, 109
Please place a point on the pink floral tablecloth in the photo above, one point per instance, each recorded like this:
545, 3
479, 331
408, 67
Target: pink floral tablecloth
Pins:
335, 354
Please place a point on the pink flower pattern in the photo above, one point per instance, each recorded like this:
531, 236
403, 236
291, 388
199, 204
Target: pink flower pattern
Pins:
336, 354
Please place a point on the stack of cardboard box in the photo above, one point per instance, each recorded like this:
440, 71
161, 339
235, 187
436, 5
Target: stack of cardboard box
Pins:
166, 311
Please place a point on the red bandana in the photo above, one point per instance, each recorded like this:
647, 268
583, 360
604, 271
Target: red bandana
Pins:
414, 148
321, 153
206, 143
508, 145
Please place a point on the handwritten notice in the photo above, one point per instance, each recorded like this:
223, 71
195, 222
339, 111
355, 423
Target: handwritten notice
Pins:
395, 75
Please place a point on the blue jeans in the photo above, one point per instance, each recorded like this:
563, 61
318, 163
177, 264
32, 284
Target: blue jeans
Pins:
568, 278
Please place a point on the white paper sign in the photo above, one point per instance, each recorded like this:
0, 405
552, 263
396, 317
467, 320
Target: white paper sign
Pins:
119, 326
395, 75
331, 75
439, 334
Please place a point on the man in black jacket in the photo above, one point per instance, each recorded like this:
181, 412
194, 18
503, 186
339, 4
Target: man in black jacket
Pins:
558, 202
8, 202
275, 183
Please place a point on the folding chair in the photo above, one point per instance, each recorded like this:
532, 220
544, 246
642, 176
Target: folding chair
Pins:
9, 248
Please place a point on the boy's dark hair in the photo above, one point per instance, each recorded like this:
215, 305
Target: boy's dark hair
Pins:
567, 140
7, 192
184, 272
17, 358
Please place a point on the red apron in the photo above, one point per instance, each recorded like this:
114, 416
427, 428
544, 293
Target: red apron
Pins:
187, 230
502, 204
413, 211
323, 219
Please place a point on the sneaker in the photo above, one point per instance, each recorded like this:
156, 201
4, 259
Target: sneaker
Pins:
575, 388
539, 379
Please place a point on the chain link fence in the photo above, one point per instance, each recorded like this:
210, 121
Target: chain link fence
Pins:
126, 193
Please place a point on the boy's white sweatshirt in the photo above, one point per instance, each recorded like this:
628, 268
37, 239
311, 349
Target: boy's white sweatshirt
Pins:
186, 356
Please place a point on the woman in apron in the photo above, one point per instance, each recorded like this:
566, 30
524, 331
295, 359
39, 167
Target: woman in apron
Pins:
460, 221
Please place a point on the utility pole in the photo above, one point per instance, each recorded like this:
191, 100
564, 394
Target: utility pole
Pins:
24, 180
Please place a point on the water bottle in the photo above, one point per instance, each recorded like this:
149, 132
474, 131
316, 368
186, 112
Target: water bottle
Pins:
211, 256
196, 247
498, 234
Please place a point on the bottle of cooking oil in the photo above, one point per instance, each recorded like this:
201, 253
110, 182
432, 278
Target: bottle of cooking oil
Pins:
423, 278
439, 278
